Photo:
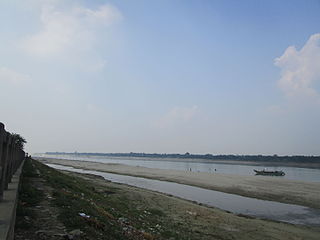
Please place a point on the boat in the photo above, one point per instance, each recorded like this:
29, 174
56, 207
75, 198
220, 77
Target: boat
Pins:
269, 173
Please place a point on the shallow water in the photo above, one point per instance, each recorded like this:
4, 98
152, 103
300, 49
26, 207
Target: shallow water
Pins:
292, 173
234, 203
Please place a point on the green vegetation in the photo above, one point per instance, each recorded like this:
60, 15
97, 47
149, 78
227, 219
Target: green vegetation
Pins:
113, 215
19, 141
29, 197
73, 196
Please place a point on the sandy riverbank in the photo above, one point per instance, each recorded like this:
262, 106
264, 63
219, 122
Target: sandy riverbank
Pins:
268, 188
215, 161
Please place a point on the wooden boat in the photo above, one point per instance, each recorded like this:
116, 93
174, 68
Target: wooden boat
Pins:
269, 173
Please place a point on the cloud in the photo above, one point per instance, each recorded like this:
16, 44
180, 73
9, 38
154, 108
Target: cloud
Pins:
177, 116
105, 14
300, 69
96, 66
13, 77
68, 29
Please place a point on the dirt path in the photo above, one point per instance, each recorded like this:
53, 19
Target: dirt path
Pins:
37, 218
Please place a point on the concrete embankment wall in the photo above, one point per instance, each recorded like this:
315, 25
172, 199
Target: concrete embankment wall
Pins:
11, 161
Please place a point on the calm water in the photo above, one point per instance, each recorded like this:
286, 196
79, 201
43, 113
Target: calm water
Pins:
237, 204
293, 173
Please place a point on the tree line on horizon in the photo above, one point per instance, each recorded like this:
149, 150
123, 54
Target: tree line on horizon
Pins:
274, 158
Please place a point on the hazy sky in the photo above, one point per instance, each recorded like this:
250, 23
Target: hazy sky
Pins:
220, 77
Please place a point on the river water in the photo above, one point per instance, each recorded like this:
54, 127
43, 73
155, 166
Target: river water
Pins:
290, 213
292, 173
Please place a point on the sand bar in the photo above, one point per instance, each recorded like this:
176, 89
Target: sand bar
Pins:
267, 188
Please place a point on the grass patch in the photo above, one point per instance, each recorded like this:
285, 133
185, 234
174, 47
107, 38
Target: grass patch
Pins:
74, 195
156, 212
115, 213
29, 196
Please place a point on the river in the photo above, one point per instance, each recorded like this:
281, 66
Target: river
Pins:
292, 173
289, 213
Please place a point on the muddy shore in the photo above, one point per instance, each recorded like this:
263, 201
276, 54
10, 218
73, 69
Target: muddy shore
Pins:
266, 188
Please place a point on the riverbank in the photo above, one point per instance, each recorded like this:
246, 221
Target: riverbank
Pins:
122, 212
266, 188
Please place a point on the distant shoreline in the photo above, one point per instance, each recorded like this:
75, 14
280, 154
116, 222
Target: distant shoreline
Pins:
256, 160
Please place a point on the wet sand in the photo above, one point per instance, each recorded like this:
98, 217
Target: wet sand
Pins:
261, 187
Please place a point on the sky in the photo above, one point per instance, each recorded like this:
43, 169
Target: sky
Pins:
169, 76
